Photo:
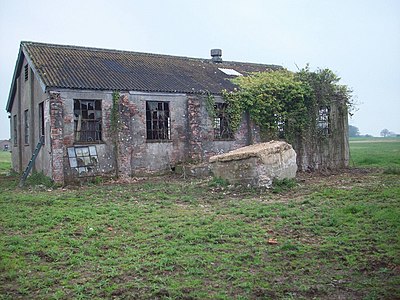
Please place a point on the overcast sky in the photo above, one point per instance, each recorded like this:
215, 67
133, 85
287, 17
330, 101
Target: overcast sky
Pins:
357, 39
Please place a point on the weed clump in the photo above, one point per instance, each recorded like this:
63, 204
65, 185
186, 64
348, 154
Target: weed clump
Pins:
393, 170
282, 185
38, 178
218, 182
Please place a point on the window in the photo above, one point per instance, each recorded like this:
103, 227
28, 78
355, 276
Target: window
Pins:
222, 129
280, 123
323, 122
41, 119
87, 118
83, 159
26, 127
15, 130
158, 121
26, 71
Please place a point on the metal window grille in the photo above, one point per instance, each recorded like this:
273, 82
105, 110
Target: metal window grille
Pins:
87, 118
158, 121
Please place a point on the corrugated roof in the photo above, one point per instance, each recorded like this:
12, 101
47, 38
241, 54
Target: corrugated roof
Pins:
74, 67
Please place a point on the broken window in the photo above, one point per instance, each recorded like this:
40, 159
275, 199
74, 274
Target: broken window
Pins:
26, 127
158, 121
323, 121
15, 130
87, 118
222, 128
83, 159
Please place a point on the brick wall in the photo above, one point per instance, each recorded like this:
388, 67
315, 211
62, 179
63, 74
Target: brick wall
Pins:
57, 137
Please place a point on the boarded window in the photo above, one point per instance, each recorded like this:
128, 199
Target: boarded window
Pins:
87, 118
158, 121
222, 128
15, 130
26, 127
83, 159
323, 121
41, 119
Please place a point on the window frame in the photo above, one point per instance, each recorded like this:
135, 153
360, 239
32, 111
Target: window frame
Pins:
41, 120
26, 126
83, 159
158, 121
91, 118
221, 123
324, 120
15, 130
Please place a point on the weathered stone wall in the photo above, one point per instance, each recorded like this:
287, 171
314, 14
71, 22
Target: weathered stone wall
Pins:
158, 155
104, 148
256, 165
192, 136
201, 132
316, 152
29, 94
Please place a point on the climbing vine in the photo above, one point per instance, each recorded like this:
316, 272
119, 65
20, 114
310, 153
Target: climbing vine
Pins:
115, 126
283, 103
210, 106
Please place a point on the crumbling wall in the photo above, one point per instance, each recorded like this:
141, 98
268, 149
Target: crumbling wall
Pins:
202, 143
331, 151
57, 137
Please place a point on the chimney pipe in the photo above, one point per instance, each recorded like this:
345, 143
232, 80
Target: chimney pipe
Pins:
216, 55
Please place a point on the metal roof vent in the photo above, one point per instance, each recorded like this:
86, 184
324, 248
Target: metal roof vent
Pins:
216, 55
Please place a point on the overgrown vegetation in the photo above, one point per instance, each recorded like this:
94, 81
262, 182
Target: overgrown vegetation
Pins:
333, 237
286, 104
115, 126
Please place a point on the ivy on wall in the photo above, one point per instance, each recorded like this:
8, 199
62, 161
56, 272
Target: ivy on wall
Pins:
114, 127
284, 102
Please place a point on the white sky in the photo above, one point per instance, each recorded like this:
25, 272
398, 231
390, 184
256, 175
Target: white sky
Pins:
357, 39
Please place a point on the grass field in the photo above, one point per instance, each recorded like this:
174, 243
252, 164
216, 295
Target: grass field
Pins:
335, 236
375, 152
5, 158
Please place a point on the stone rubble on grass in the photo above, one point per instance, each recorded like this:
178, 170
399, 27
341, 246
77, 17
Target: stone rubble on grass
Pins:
256, 165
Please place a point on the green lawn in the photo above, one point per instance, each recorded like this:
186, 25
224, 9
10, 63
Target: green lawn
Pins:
5, 161
375, 152
329, 237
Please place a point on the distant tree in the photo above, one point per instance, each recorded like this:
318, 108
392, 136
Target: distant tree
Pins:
385, 132
353, 131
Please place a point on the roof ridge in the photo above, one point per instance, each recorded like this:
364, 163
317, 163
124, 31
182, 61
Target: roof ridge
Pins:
148, 54
110, 50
